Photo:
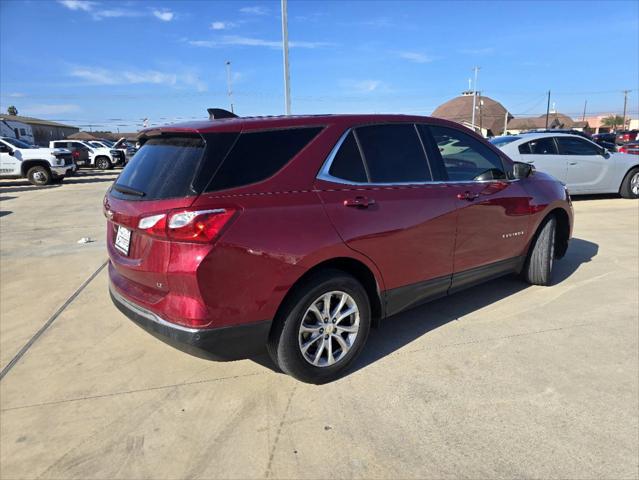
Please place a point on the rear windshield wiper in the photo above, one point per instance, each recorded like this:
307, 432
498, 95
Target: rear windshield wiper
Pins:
128, 190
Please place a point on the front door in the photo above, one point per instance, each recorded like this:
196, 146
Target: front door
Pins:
378, 192
493, 210
588, 169
542, 153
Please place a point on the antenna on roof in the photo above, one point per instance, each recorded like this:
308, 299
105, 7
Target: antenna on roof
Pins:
217, 113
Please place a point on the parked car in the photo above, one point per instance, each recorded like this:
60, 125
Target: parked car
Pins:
119, 155
41, 166
626, 136
102, 158
301, 232
582, 165
609, 137
631, 148
127, 147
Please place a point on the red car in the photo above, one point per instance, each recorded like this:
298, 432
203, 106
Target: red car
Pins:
626, 136
299, 233
631, 148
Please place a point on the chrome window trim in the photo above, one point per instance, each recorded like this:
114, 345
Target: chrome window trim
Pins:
324, 175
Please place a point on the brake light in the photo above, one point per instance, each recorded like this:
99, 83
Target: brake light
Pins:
199, 225
623, 150
202, 226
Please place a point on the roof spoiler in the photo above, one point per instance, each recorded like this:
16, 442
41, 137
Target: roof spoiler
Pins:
217, 113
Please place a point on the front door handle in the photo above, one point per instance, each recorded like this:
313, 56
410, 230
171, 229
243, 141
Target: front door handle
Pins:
572, 163
359, 202
468, 196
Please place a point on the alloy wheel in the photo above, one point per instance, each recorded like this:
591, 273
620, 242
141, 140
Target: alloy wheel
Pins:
328, 329
634, 184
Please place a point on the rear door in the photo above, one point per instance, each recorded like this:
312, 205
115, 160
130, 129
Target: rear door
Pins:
378, 191
588, 169
542, 152
493, 210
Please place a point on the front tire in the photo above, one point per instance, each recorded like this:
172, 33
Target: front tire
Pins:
39, 176
538, 268
322, 328
103, 163
630, 184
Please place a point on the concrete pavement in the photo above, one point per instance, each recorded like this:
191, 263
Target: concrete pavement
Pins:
503, 380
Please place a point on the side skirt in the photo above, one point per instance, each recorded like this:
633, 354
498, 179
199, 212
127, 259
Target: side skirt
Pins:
409, 296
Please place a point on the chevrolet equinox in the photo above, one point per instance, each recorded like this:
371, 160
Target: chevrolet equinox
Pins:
299, 233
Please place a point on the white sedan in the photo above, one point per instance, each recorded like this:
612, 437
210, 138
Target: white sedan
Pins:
582, 165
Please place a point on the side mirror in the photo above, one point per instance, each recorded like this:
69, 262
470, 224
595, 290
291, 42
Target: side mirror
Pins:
605, 153
522, 170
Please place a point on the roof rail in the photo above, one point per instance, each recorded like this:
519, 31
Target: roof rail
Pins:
217, 113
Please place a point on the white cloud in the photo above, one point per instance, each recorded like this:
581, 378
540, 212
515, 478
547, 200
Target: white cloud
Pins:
100, 13
164, 15
254, 42
415, 57
256, 10
16, 95
366, 86
222, 25
103, 76
83, 5
50, 109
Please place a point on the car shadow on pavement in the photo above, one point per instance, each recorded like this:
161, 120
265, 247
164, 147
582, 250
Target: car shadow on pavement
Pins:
399, 330
4, 213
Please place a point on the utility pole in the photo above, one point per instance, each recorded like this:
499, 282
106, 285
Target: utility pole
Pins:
547, 109
505, 123
583, 119
229, 88
625, 102
287, 76
472, 121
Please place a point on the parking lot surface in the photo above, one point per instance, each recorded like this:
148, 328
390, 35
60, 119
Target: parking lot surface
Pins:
503, 380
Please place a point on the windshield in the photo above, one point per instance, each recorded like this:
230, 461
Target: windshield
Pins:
18, 143
95, 144
108, 143
501, 141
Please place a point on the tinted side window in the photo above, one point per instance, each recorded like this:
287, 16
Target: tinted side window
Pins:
393, 153
576, 146
540, 146
258, 155
347, 163
465, 157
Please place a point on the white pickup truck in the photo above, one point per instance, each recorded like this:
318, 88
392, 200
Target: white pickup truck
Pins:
89, 155
41, 166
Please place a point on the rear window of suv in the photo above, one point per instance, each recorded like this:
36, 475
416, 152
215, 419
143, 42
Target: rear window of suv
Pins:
164, 167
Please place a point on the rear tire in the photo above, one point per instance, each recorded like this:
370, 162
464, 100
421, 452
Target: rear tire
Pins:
630, 184
39, 176
312, 352
538, 268
103, 163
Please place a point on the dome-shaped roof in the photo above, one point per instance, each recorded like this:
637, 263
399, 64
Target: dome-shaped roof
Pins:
489, 115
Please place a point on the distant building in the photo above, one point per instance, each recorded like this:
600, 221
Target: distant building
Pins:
132, 136
555, 120
490, 115
43, 130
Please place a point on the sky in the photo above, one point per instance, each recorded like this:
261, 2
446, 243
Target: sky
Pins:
108, 64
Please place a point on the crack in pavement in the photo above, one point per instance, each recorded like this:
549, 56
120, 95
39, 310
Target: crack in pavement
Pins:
127, 392
49, 322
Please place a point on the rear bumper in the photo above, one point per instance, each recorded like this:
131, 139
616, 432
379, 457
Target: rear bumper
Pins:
226, 343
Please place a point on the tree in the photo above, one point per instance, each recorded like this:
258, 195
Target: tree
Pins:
12, 110
612, 121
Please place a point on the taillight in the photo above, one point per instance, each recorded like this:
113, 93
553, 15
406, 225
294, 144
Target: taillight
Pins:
201, 226
622, 150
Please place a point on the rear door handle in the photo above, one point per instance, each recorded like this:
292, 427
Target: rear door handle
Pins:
468, 196
359, 202
572, 163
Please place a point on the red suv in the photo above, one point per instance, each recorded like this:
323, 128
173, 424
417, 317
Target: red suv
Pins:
299, 233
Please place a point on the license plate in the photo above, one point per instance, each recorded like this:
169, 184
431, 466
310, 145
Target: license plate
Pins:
123, 240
